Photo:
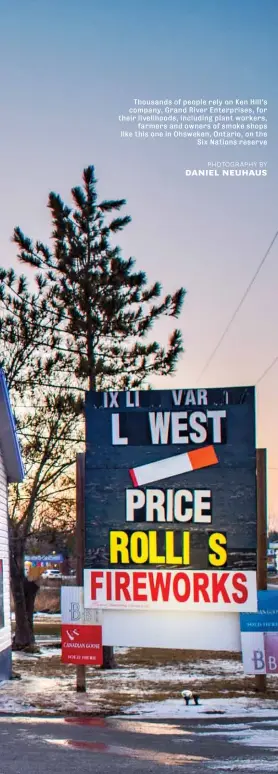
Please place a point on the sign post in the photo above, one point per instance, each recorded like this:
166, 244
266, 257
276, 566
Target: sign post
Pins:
260, 680
80, 547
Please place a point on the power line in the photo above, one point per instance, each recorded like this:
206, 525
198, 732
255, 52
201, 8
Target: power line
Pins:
266, 371
238, 307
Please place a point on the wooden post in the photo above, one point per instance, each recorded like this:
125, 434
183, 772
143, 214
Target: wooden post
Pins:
80, 548
260, 680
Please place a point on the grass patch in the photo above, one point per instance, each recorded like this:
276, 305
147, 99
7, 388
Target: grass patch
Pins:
48, 600
154, 657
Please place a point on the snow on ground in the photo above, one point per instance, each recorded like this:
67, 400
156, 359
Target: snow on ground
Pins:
57, 694
139, 691
46, 617
272, 723
45, 651
9, 702
161, 674
189, 671
40, 695
121, 650
249, 736
237, 764
49, 617
176, 708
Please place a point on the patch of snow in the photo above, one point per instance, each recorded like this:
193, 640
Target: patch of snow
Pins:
48, 616
216, 666
180, 673
226, 726
267, 738
15, 707
258, 764
121, 650
271, 723
44, 652
9, 700
38, 695
176, 708
145, 674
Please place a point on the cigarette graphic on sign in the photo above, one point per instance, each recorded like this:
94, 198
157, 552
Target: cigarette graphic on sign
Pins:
173, 466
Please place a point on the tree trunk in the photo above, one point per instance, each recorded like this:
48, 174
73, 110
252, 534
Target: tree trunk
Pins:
108, 657
30, 592
23, 634
24, 594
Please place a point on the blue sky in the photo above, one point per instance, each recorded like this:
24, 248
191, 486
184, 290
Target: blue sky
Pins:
68, 69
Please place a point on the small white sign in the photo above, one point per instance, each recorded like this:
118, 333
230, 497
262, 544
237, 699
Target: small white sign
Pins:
253, 653
73, 610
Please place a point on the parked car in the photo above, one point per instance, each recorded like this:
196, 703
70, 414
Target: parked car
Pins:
49, 574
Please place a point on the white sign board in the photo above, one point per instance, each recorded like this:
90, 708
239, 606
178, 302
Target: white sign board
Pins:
145, 589
170, 629
253, 653
133, 628
73, 610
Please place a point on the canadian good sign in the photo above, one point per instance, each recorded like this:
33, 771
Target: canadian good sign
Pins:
259, 635
81, 644
171, 490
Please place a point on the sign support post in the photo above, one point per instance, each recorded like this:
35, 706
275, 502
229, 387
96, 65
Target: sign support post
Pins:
260, 680
80, 548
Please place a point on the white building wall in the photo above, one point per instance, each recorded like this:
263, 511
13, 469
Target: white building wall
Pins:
5, 633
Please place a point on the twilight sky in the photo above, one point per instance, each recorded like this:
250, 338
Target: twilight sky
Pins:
68, 70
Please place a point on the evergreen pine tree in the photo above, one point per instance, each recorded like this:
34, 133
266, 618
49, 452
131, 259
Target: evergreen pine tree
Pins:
105, 310
102, 310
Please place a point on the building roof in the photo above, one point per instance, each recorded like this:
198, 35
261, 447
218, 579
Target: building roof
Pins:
8, 437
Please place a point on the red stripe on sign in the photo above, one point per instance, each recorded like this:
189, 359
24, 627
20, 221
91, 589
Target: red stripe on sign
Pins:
133, 477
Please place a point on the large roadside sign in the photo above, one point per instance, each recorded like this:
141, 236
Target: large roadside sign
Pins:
170, 500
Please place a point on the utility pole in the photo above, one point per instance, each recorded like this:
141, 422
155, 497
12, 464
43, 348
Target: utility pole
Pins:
80, 548
260, 680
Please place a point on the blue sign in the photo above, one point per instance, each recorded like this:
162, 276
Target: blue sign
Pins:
266, 619
44, 558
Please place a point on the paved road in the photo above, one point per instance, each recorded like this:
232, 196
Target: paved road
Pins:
31, 745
